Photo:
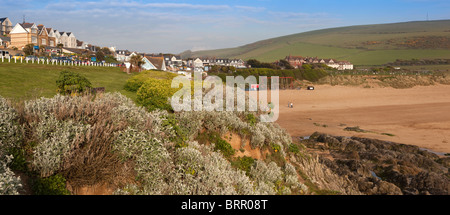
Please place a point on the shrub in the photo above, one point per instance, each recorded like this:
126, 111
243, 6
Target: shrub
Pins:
294, 148
53, 185
9, 137
276, 148
251, 119
151, 158
155, 93
244, 163
134, 83
72, 82
221, 145
9, 129
9, 183
208, 173
56, 140
181, 134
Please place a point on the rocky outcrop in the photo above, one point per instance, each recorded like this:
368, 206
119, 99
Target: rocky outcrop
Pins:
378, 167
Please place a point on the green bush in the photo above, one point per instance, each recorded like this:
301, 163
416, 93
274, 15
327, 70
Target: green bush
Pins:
221, 145
251, 119
181, 135
154, 94
19, 161
276, 147
53, 185
244, 163
72, 82
294, 148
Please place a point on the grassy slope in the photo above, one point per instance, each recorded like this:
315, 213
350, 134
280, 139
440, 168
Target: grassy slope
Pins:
345, 43
26, 81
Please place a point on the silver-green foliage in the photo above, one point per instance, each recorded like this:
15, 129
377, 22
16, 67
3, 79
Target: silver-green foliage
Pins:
56, 140
9, 182
9, 137
152, 160
261, 134
201, 171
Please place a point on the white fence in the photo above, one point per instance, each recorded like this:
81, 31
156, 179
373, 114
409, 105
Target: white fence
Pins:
55, 62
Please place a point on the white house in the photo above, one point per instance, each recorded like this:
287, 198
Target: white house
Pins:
68, 39
198, 63
57, 37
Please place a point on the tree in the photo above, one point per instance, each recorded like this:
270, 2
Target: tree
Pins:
106, 51
137, 61
100, 55
256, 64
60, 46
28, 49
284, 64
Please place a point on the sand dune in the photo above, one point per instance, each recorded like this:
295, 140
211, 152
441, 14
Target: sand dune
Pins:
417, 116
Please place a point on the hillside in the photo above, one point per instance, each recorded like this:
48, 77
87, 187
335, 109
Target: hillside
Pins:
362, 45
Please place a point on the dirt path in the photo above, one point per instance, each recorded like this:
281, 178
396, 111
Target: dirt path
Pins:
417, 116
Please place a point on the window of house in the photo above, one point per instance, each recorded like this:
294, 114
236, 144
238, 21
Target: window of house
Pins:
52, 43
33, 39
44, 41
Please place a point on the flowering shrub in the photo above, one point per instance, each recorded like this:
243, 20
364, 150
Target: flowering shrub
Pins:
205, 172
9, 130
9, 183
151, 158
86, 137
154, 94
56, 140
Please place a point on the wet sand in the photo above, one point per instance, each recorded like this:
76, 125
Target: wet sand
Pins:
417, 116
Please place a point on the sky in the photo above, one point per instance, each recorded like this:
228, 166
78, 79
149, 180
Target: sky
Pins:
173, 26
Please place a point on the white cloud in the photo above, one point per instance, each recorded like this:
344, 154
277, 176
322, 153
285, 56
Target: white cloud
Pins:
250, 9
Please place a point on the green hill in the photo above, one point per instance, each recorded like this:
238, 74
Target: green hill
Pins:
362, 45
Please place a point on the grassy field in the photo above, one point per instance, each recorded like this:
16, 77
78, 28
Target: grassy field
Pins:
362, 45
27, 81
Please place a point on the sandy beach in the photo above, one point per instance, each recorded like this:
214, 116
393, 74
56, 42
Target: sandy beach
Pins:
416, 116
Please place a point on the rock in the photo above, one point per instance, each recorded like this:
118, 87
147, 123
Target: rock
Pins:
354, 145
403, 169
386, 188
410, 191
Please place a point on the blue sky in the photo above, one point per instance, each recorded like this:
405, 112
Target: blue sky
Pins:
177, 25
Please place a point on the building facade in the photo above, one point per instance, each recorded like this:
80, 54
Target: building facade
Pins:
23, 34
5, 26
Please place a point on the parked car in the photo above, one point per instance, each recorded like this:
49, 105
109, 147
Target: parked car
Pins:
31, 57
310, 88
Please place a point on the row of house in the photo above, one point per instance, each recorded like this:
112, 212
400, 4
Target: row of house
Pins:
175, 63
298, 61
204, 62
29, 33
